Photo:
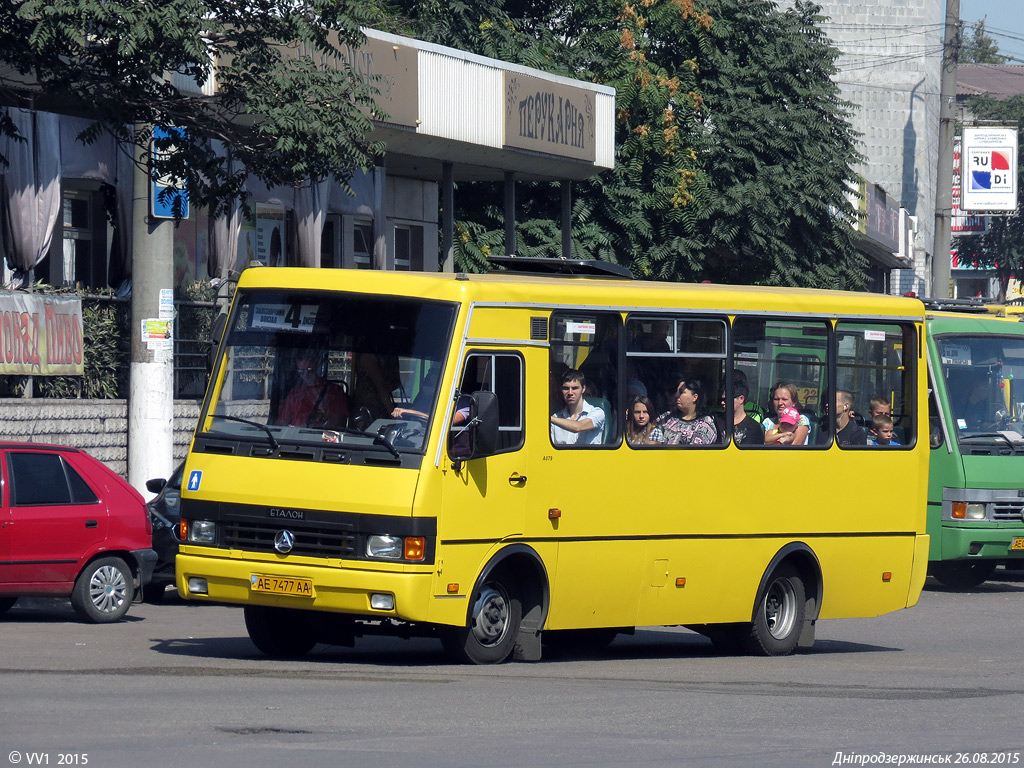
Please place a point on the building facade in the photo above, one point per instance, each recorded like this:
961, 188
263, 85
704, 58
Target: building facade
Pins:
889, 71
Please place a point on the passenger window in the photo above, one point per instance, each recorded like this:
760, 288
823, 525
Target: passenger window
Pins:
870, 368
45, 479
676, 366
586, 346
501, 374
783, 365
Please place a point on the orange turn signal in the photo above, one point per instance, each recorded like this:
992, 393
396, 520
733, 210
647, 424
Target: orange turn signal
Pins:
554, 513
959, 510
887, 576
415, 547
453, 588
183, 529
681, 581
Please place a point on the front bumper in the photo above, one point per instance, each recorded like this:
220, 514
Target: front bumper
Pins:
339, 589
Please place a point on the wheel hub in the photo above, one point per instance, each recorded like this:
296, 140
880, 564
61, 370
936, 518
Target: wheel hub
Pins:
490, 619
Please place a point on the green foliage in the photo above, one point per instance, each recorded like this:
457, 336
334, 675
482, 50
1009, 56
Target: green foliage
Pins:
733, 147
1002, 247
778, 152
976, 47
285, 117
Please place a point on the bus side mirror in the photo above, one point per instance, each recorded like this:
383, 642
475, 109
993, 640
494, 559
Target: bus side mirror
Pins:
484, 419
479, 436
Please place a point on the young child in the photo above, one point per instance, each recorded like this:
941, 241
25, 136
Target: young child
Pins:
788, 418
882, 431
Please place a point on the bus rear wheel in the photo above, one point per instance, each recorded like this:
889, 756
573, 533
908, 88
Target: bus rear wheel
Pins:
491, 627
779, 616
962, 574
279, 632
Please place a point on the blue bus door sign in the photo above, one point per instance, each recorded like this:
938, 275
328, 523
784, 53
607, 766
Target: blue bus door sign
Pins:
195, 478
162, 192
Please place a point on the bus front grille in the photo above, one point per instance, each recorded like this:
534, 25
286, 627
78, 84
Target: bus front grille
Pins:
1008, 510
259, 537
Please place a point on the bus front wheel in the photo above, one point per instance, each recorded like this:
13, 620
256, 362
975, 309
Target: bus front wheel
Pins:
962, 574
279, 632
491, 627
779, 616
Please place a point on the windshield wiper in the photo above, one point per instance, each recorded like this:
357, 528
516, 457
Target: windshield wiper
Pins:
1016, 446
274, 445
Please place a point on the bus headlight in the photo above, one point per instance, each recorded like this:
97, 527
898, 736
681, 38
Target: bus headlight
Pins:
962, 510
201, 532
975, 511
384, 546
387, 547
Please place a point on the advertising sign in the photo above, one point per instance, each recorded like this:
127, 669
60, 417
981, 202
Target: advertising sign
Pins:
989, 169
962, 223
546, 116
40, 335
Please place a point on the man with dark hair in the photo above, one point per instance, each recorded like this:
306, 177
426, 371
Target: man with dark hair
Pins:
579, 422
848, 432
745, 429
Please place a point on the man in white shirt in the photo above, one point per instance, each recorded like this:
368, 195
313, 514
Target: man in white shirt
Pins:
579, 422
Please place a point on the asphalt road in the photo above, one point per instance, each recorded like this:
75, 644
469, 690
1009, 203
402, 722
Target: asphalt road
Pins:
181, 685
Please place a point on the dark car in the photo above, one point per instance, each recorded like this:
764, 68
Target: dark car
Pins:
165, 514
71, 527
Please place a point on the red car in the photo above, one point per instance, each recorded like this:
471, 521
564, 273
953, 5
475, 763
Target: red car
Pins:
71, 526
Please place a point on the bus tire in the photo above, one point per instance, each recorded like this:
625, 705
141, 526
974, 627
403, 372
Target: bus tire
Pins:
103, 591
779, 615
962, 574
279, 632
491, 627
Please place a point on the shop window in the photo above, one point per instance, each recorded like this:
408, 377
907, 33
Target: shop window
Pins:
330, 243
408, 247
362, 243
79, 251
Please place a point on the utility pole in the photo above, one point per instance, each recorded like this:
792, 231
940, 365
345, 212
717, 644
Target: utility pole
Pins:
151, 376
944, 171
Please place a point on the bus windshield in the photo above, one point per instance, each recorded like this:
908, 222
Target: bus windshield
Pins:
309, 367
984, 376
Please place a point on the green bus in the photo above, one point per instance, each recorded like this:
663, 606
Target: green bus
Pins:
976, 470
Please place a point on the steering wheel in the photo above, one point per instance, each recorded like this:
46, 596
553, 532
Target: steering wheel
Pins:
415, 417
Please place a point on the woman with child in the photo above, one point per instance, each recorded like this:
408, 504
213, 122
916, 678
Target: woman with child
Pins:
784, 395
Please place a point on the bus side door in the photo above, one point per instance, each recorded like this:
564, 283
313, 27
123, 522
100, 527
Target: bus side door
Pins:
484, 499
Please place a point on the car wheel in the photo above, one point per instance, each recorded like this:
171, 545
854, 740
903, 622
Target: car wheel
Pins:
279, 632
103, 591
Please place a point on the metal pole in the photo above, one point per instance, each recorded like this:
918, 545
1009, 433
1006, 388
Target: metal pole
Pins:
944, 172
447, 217
566, 219
151, 376
510, 214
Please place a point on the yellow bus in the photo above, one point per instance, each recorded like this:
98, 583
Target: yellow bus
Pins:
380, 452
